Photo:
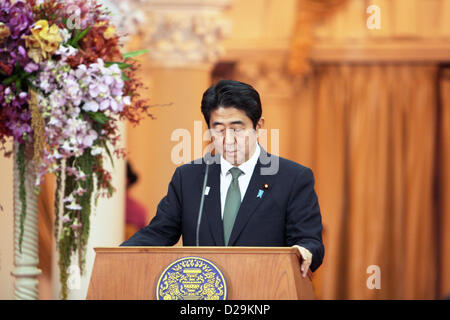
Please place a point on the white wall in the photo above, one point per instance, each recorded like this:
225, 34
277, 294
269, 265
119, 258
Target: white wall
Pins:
6, 227
107, 227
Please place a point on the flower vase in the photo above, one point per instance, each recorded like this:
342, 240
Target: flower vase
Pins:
26, 256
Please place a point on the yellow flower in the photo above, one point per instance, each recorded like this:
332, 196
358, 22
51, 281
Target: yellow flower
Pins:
110, 32
4, 32
43, 40
101, 23
34, 49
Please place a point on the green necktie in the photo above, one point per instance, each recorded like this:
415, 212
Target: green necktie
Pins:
232, 203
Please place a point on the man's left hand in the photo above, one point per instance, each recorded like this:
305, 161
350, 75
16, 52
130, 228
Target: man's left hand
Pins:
307, 259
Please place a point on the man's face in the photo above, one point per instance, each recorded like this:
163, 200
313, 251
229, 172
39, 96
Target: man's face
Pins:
233, 134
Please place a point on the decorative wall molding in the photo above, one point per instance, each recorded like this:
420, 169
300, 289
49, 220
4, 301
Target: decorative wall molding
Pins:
180, 33
382, 51
127, 16
266, 70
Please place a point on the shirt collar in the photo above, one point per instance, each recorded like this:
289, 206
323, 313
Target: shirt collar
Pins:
247, 167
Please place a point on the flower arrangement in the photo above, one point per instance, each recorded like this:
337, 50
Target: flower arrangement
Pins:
64, 86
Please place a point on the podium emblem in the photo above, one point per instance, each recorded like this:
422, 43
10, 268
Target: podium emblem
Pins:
191, 278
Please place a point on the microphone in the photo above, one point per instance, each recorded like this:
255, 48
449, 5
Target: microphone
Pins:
202, 200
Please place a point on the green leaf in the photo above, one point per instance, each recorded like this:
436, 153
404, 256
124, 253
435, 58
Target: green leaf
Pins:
78, 36
98, 117
105, 145
121, 65
10, 79
110, 190
124, 77
30, 84
134, 54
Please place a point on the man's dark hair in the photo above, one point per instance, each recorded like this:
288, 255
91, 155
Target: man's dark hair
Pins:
230, 93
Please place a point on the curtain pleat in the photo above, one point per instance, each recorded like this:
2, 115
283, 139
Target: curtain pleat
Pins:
372, 140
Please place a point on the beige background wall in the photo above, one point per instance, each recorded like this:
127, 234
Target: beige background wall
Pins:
6, 228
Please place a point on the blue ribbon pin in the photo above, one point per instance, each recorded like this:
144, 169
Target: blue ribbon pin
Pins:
260, 193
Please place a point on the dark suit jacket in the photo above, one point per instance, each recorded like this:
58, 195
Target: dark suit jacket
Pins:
286, 214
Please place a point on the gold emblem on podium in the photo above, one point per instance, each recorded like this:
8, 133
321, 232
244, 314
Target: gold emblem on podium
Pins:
191, 278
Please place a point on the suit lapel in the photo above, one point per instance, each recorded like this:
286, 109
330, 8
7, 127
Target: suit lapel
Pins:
211, 206
251, 200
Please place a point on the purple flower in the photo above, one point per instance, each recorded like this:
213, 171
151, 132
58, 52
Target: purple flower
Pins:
21, 18
94, 90
65, 96
126, 100
79, 225
88, 141
18, 18
66, 219
91, 106
114, 105
80, 191
96, 151
68, 199
23, 95
14, 109
73, 206
104, 104
31, 67
71, 171
81, 176
18, 129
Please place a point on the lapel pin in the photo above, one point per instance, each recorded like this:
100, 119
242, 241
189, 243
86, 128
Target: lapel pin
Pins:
207, 190
260, 193
266, 186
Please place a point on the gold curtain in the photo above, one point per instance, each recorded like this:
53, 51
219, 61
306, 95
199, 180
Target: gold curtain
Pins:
309, 13
369, 133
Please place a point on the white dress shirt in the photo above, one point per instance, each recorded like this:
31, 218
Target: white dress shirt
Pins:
243, 180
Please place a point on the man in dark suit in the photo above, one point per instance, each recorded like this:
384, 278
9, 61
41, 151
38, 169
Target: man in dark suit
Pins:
252, 198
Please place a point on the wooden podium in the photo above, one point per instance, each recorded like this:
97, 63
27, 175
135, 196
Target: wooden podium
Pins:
253, 273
